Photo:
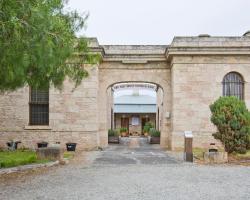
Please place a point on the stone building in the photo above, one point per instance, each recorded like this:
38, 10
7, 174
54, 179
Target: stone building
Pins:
190, 74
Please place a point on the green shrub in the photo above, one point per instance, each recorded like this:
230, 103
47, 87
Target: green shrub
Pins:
232, 119
122, 130
147, 127
153, 132
112, 132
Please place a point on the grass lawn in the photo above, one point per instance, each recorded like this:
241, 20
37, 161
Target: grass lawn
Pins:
245, 156
198, 153
19, 157
68, 154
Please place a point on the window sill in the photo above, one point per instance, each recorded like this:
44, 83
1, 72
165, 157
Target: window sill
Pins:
34, 127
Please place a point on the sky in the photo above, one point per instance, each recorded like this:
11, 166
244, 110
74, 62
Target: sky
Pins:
158, 21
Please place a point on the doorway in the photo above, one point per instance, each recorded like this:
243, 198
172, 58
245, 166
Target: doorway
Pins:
125, 123
144, 120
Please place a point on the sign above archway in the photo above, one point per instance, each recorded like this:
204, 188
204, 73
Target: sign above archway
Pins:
126, 86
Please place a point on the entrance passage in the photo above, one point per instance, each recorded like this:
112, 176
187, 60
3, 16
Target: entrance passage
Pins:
134, 150
135, 108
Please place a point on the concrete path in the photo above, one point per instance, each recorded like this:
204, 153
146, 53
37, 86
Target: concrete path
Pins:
134, 150
132, 170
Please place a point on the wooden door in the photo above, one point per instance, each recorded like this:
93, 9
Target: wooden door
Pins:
144, 120
125, 123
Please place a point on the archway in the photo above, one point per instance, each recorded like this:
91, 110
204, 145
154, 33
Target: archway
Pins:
145, 74
133, 105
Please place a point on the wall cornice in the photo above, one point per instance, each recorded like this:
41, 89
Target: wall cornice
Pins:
180, 46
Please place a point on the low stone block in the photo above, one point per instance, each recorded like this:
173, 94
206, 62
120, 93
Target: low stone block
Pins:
215, 157
50, 153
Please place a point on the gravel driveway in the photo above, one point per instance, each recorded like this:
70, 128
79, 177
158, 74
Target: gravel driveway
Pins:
132, 170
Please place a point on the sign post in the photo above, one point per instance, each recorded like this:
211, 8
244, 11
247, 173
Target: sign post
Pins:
188, 146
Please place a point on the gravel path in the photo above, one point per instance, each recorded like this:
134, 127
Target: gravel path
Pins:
132, 170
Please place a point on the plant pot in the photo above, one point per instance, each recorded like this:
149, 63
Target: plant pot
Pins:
124, 134
114, 139
146, 134
13, 145
71, 146
42, 144
154, 140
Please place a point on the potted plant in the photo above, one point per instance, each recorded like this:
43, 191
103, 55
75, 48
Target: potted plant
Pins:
146, 128
154, 136
71, 146
42, 144
113, 136
123, 131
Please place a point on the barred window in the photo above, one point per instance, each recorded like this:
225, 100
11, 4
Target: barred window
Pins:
39, 106
233, 85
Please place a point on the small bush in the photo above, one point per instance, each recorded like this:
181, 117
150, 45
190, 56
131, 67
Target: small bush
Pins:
122, 130
112, 132
155, 133
232, 120
147, 127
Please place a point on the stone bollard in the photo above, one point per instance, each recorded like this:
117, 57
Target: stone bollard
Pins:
50, 153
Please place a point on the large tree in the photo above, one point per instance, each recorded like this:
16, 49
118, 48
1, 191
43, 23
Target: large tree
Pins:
37, 43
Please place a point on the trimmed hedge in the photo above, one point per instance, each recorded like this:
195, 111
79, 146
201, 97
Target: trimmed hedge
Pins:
232, 119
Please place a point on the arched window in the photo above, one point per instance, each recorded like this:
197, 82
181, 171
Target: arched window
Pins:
233, 85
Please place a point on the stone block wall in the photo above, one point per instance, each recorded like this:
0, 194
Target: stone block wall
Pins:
197, 83
73, 115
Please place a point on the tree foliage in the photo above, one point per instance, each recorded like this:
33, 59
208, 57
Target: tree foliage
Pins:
37, 43
232, 119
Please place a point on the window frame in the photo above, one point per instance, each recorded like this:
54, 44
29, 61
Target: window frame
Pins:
225, 84
37, 103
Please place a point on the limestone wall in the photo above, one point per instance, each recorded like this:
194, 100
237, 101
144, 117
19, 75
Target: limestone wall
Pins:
196, 83
72, 115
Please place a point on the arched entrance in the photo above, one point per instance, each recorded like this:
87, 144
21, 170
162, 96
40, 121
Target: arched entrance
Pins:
157, 75
133, 104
